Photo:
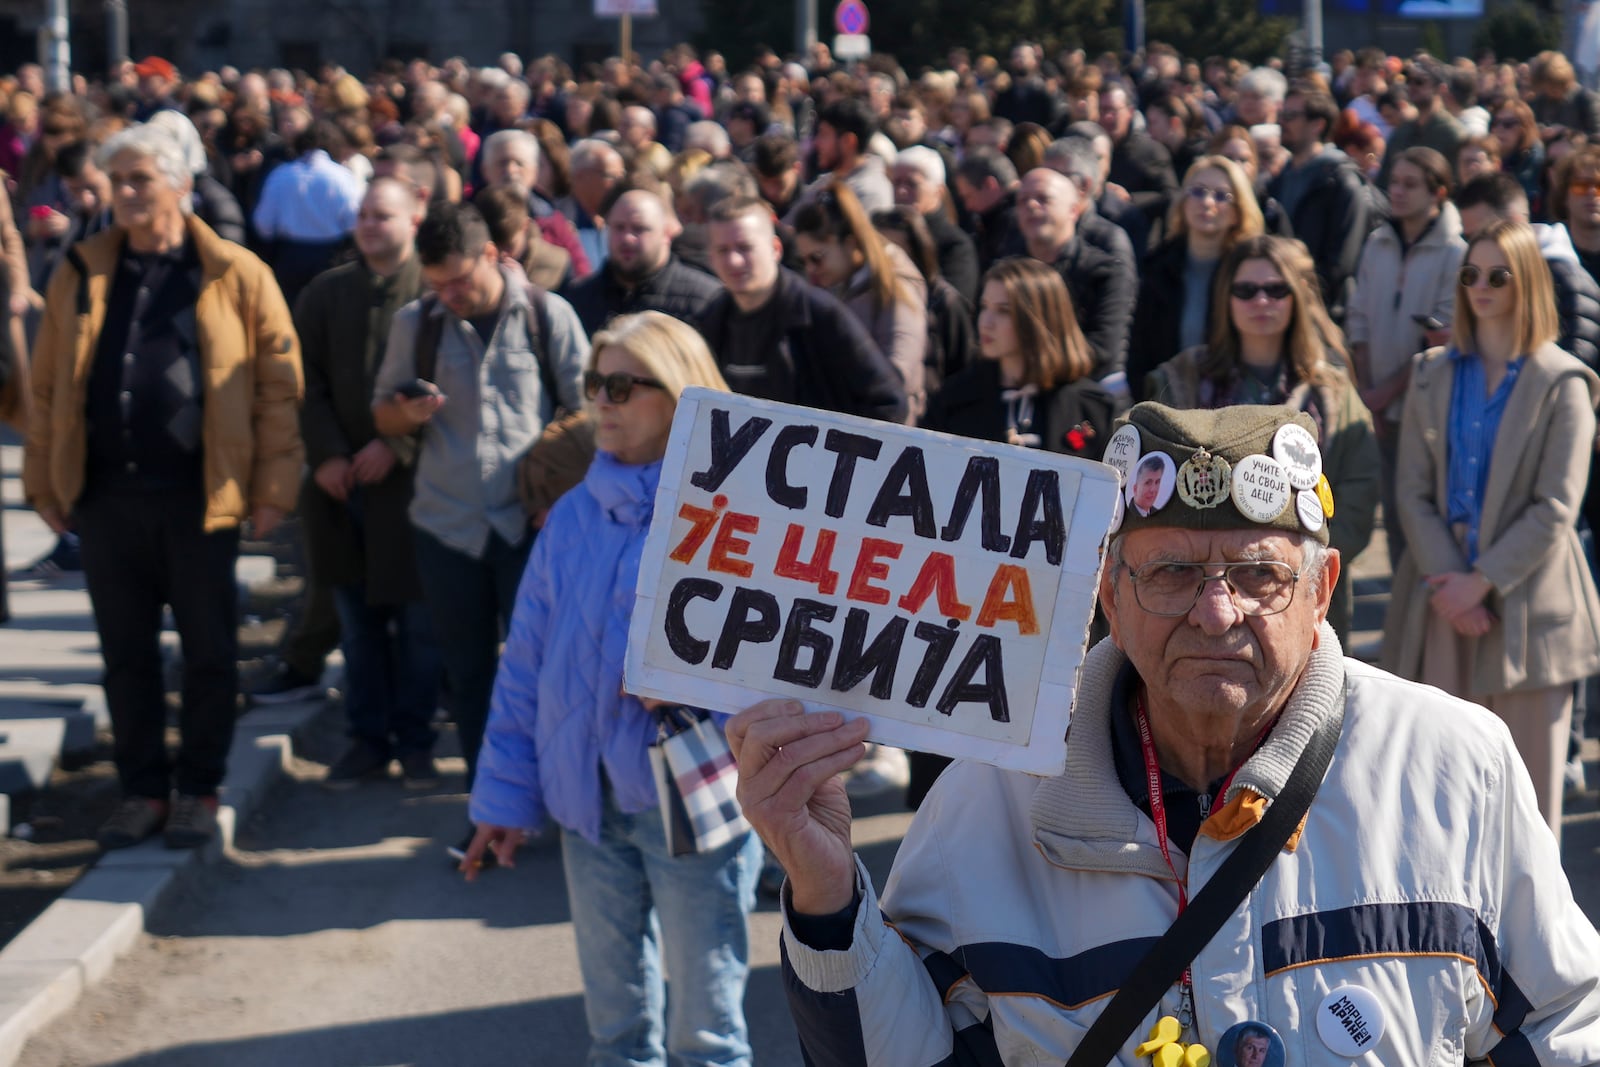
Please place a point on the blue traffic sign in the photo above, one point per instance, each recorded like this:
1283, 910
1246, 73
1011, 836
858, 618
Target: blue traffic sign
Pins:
850, 17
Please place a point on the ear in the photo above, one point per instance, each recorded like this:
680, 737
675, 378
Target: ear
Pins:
1325, 586
1108, 596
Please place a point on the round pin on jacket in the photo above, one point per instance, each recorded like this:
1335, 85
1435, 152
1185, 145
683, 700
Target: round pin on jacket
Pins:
1297, 450
1350, 1020
1260, 488
1250, 1044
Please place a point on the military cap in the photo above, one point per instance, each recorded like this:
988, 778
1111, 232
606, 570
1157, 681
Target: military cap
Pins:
1233, 468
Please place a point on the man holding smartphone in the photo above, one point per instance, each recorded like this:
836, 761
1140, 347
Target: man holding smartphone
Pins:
1403, 300
497, 357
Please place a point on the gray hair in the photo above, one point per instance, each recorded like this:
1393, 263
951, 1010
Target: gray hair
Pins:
1265, 82
178, 126
589, 153
708, 135
923, 159
1075, 157
510, 139
491, 77
157, 145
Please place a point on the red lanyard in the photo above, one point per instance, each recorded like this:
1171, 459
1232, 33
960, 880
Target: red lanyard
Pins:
1158, 803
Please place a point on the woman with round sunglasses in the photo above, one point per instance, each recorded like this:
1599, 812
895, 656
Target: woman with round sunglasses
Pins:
1492, 600
1215, 210
843, 254
1271, 342
566, 745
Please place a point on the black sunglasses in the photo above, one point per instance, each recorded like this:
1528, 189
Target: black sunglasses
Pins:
1499, 277
618, 387
1249, 290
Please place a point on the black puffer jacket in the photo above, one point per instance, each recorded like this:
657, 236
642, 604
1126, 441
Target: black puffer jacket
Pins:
676, 289
1578, 307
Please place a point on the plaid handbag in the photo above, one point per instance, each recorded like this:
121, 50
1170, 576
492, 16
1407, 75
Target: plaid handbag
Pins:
695, 778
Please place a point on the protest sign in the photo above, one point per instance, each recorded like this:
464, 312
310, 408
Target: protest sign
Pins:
941, 586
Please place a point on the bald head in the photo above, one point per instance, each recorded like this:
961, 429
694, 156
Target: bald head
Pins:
638, 235
1048, 206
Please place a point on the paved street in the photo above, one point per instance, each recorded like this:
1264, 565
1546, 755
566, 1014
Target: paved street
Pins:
338, 936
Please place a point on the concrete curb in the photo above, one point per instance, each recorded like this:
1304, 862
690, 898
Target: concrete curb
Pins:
74, 943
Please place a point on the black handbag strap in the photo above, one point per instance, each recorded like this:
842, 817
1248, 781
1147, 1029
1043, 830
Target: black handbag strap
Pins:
1169, 957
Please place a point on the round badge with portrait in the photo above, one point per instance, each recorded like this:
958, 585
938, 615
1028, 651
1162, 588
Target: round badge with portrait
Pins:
1249, 1044
1150, 485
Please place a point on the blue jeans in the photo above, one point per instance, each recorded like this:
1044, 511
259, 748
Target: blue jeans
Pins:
471, 602
391, 666
634, 906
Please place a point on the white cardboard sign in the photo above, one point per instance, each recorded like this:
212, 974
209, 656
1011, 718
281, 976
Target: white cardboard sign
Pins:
941, 586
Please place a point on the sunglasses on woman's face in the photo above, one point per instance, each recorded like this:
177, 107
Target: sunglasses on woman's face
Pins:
1499, 277
618, 387
1250, 290
1507, 123
1203, 194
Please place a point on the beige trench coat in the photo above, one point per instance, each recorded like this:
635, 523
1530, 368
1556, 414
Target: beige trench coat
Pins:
1548, 631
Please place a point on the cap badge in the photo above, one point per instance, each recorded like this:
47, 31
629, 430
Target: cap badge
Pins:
1204, 480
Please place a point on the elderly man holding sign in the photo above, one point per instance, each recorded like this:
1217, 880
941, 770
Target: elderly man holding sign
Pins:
1252, 832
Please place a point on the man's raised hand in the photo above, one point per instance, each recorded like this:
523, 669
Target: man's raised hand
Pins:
790, 790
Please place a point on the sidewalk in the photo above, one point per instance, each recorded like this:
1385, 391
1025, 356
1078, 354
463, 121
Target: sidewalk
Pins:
50, 665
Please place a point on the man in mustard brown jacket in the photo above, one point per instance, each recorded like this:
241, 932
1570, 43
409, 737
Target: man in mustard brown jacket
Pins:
166, 381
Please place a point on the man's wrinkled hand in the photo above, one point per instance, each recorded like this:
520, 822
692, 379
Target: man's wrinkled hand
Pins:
790, 790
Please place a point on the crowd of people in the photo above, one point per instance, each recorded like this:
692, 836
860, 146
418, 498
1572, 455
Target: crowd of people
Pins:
444, 313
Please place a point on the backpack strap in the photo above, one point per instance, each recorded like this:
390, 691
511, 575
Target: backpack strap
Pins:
539, 341
429, 328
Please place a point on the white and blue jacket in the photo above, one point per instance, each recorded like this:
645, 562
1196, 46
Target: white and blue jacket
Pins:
1422, 873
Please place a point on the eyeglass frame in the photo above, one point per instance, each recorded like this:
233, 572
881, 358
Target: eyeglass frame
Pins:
1204, 193
1505, 274
594, 382
1225, 578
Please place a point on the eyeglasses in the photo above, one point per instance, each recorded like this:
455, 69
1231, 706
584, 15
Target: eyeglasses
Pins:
1290, 116
1171, 590
1584, 188
1499, 277
1202, 194
618, 387
1250, 290
1507, 123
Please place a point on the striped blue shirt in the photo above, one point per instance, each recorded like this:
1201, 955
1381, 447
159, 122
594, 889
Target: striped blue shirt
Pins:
1474, 421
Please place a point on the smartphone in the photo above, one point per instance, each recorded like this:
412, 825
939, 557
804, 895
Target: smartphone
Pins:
1428, 322
417, 388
